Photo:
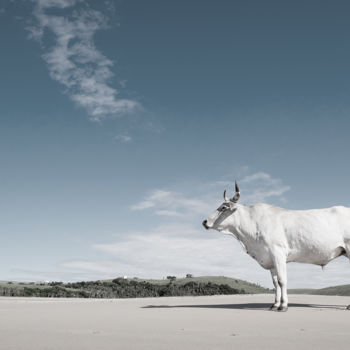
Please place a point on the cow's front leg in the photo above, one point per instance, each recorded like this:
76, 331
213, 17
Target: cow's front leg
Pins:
277, 303
281, 271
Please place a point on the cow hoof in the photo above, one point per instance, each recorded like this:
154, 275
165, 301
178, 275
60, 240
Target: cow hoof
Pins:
348, 307
283, 308
273, 308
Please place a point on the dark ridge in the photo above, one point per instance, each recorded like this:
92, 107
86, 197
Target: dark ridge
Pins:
133, 288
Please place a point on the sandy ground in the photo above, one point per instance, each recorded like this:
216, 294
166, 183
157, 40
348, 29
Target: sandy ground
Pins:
216, 322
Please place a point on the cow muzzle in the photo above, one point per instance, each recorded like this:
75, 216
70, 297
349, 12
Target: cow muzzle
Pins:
204, 223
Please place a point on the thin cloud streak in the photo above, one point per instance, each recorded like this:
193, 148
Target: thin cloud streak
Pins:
255, 188
262, 187
173, 203
75, 62
158, 255
124, 138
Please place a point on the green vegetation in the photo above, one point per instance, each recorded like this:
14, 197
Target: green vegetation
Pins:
139, 288
133, 288
249, 288
336, 290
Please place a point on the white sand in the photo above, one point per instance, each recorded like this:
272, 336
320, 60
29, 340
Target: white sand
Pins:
217, 322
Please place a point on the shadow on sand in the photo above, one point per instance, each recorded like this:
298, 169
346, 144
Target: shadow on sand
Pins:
247, 306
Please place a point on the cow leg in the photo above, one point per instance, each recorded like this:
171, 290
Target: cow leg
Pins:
277, 303
347, 252
281, 270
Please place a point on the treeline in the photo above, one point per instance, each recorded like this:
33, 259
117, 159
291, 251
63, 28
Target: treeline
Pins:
118, 288
47, 292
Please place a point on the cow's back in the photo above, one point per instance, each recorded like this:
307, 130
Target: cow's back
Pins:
312, 236
316, 236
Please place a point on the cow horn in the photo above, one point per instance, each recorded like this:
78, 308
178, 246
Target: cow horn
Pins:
236, 186
226, 199
235, 198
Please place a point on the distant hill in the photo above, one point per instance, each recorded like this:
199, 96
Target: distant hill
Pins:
133, 288
138, 288
247, 287
343, 290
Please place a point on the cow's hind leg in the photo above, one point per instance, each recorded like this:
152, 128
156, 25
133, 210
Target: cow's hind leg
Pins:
347, 253
277, 303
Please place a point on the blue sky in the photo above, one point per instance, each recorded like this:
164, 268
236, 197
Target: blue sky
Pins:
122, 122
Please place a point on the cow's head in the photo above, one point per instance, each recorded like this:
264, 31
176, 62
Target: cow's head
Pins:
229, 206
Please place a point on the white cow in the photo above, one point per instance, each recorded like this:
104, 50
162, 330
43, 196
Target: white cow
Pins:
274, 236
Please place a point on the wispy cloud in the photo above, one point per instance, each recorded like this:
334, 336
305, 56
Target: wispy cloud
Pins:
254, 188
172, 203
75, 62
262, 186
162, 253
124, 138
